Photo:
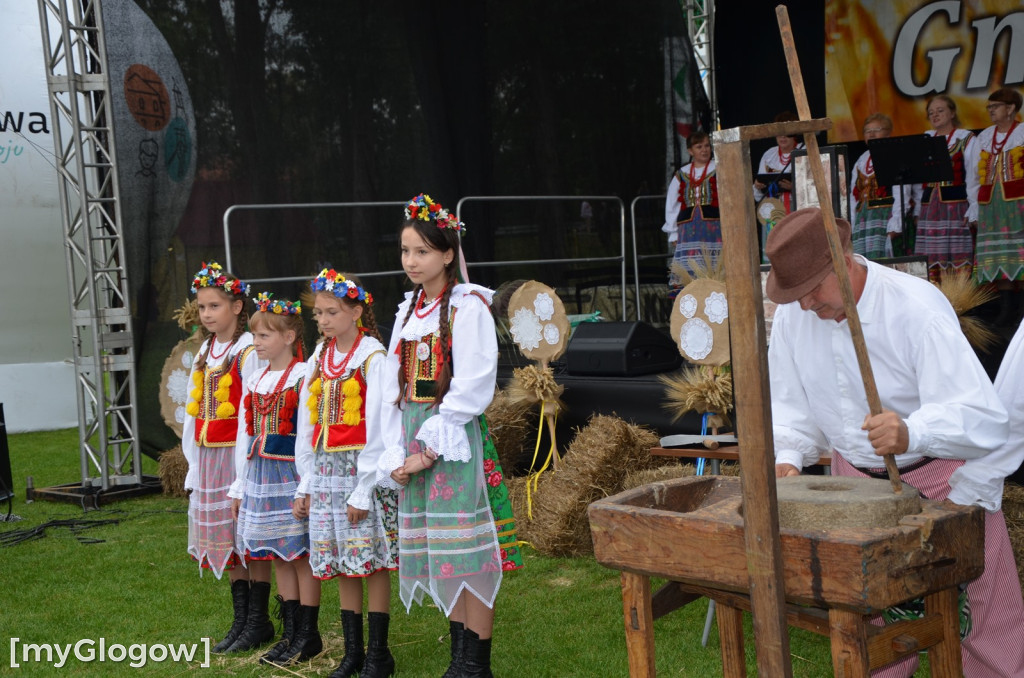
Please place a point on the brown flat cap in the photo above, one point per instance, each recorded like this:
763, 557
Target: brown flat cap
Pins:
797, 248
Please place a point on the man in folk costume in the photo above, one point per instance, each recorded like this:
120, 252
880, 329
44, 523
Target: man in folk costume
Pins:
942, 418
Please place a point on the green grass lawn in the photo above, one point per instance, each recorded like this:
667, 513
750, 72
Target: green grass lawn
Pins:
131, 582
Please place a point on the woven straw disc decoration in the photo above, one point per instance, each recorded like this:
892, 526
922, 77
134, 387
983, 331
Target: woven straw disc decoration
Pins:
174, 382
700, 322
537, 321
770, 209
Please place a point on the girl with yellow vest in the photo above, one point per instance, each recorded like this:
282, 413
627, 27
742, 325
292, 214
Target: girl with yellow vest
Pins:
353, 524
224, 361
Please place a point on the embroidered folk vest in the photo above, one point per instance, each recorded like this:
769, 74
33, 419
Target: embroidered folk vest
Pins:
211, 430
869, 193
956, 190
330, 428
1006, 167
270, 442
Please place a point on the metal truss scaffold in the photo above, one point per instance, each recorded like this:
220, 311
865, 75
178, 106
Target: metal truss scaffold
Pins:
700, 26
101, 329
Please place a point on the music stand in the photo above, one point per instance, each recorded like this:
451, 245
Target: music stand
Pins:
912, 159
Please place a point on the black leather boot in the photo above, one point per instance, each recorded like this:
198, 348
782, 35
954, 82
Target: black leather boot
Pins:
476, 661
457, 631
289, 610
240, 605
352, 662
258, 630
379, 661
307, 643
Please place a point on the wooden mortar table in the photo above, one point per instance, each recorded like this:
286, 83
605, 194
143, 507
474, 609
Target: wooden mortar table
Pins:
835, 582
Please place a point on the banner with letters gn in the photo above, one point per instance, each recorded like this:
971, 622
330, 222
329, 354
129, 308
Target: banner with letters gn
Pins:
891, 56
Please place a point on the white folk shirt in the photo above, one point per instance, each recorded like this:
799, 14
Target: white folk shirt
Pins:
924, 369
474, 374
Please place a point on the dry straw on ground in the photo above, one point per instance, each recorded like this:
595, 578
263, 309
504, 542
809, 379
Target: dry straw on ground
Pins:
513, 427
173, 469
595, 466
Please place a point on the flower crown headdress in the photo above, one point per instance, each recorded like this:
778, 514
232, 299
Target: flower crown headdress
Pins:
331, 281
211, 275
277, 306
422, 207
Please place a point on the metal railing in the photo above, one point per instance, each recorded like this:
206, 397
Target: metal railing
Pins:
620, 259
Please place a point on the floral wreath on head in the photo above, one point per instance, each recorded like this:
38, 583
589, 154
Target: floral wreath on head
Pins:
277, 306
211, 275
424, 208
331, 281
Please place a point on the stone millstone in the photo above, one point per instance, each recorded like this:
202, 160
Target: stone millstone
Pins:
834, 502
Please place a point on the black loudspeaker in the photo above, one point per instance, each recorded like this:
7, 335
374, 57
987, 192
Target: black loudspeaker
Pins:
6, 482
621, 349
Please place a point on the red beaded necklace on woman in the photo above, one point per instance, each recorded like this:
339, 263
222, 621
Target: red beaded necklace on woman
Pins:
421, 300
328, 368
998, 148
267, 401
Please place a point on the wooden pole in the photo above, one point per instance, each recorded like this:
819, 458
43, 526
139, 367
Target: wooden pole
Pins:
747, 340
836, 247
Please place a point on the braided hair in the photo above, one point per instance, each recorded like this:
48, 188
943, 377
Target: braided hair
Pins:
443, 240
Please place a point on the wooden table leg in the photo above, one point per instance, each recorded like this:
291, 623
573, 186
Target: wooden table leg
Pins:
636, 604
849, 639
944, 657
730, 636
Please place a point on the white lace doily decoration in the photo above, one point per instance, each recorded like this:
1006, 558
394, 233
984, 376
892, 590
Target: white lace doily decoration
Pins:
179, 414
544, 306
177, 386
688, 305
551, 334
696, 338
525, 328
186, 361
716, 307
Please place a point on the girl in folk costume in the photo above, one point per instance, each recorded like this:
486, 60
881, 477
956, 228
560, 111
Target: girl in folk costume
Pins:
996, 170
353, 524
778, 160
225, 360
875, 211
691, 208
943, 234
266, 478
456, 530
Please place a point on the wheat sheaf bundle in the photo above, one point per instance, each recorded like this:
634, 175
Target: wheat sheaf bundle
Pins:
534, 384
187, 316
703, 266
965, 295
702, 388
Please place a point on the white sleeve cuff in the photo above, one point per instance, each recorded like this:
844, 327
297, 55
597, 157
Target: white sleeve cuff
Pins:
792, 457
303, 489
190, 479
360, 499
447, 440
392, 458
237, 489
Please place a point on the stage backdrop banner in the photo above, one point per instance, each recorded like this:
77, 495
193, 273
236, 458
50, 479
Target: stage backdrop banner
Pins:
891, 56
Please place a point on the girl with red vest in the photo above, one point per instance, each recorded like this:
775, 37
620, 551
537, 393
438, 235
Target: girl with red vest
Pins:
352, 523
456, 529
266, 479
208, 442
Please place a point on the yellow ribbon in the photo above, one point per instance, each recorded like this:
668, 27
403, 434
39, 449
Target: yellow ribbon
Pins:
535, 477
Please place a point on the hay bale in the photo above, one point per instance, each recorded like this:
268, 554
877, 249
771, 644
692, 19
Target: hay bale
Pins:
1013, 511
173, 469
512, 426
595, 466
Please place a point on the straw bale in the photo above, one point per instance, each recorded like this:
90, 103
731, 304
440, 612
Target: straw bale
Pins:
173, 469
595, 466
513, 426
